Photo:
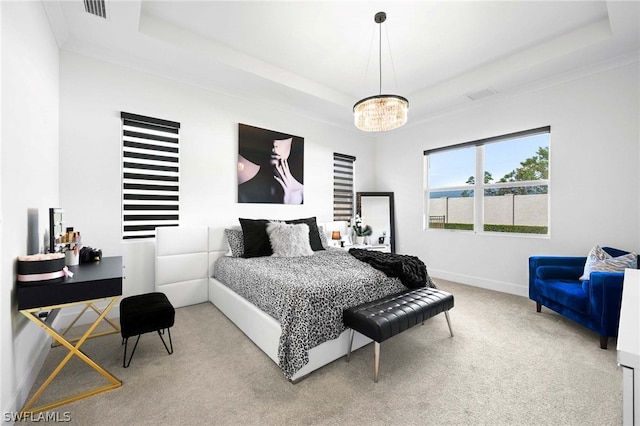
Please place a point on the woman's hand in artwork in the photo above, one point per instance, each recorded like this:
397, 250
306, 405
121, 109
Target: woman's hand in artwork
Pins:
293, 190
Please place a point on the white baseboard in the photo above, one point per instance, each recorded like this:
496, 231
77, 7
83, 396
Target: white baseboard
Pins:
480, 282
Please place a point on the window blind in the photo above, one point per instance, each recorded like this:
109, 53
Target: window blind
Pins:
343, 186
150, 175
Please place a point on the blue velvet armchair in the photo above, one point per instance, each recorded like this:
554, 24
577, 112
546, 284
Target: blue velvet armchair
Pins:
594, 303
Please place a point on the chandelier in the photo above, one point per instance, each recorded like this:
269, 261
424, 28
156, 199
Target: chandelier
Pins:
380, 113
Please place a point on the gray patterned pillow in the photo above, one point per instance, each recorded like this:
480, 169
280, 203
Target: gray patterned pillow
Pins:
289, 240
236, 241
599, 260
323, 237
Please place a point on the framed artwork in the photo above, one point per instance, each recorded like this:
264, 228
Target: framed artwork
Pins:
270, 166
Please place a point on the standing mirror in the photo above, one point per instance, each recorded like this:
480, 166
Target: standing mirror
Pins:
376, 209
55, 229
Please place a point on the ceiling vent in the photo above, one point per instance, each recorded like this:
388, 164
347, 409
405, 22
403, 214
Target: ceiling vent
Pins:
96, 7
481, 94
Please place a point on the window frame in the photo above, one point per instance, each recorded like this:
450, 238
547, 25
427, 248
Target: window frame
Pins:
480, 186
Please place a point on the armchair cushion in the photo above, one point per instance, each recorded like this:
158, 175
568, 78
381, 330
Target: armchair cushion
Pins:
567, 293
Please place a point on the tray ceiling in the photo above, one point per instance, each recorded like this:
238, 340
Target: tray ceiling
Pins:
318, 58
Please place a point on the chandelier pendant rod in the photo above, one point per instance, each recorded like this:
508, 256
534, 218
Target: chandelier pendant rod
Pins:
380, 56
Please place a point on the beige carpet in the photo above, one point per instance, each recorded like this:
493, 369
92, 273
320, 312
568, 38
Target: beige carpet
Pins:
506, 365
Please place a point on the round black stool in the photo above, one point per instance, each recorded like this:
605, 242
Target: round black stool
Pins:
145, 313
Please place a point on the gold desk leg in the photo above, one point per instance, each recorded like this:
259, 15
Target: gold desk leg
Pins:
116, 326
73, 350
75, 319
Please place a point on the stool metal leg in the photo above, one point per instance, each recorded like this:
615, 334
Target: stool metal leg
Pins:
446, 314
350, 344
170, 342
126, 363
376, 361
169, 348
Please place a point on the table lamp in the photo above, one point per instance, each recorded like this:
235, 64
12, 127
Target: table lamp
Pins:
335, 236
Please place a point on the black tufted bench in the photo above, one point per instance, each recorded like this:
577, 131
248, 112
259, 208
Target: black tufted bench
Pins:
145, 313
393, 314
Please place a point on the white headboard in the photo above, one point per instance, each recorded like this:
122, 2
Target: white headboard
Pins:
182, 264
185, 256
217, 246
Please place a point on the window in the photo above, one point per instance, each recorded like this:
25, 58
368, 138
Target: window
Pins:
499, 184
343, 186
150, 175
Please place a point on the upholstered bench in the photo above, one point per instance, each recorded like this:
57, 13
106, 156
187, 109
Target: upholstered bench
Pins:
382, 319
145, 313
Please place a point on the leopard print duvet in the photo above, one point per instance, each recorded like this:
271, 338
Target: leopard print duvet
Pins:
305, 294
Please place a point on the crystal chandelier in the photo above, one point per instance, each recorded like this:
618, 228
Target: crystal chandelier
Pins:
380, 113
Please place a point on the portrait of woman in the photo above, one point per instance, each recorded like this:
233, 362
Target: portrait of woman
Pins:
270, 166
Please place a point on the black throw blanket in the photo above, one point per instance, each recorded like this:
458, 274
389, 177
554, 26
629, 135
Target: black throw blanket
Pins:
411, 270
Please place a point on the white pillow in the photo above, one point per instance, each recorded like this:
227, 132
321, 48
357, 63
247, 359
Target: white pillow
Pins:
289, 240
599, 260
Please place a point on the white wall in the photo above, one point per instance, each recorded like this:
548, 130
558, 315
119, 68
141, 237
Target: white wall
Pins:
29, 178
92, 95
593, 164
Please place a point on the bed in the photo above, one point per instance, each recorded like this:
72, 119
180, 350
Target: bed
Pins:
290, 307
305, 295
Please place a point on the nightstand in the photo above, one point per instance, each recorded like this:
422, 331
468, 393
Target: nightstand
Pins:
386, 248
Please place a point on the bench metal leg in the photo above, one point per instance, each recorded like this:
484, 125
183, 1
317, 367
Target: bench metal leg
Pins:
376, 361
350, 344
446, 314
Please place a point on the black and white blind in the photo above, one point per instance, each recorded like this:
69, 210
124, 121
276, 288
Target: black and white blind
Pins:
150, 175
343, 186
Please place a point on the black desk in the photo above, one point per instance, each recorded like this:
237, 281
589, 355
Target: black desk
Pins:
91, 283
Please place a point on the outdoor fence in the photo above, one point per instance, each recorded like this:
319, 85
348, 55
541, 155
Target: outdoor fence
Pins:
518, 210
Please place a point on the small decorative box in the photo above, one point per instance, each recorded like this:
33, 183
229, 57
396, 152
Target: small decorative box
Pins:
41, 269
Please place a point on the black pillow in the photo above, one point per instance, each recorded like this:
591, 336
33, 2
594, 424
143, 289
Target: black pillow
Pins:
256, 239
314, 234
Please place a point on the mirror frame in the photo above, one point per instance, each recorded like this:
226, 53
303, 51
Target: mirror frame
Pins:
392, 227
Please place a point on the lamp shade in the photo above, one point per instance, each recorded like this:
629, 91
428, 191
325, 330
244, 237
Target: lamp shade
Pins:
335, 235
380, 113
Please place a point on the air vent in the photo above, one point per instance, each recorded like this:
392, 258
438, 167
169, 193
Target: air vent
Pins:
481, 94
96, 7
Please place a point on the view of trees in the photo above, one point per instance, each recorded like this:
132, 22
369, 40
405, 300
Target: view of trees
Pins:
535, 167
